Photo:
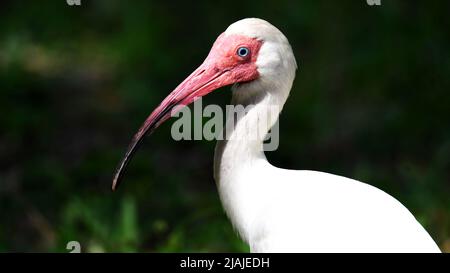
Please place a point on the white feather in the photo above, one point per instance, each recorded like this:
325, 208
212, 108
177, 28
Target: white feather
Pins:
278, 210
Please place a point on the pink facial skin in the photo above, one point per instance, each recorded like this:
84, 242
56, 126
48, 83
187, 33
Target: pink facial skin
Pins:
223, 56
222, 67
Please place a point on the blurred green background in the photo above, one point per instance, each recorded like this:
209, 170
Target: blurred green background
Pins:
371, 101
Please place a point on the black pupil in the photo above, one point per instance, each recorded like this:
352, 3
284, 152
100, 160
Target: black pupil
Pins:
243, 51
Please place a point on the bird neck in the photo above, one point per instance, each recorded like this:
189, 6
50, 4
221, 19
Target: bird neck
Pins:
248, 120
241, 153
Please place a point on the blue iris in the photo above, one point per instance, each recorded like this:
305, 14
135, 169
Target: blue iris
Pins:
243, 51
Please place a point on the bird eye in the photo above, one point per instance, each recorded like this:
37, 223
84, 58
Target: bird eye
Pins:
243, 51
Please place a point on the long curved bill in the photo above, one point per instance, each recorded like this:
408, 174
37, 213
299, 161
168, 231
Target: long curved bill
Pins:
202, 81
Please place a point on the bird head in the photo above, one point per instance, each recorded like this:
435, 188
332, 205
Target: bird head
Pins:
251, 53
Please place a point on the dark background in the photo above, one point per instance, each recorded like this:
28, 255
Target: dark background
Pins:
371, 101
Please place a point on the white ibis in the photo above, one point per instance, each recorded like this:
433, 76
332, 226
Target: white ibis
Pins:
273, 209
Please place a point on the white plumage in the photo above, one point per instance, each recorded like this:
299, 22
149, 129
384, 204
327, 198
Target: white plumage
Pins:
278, 210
